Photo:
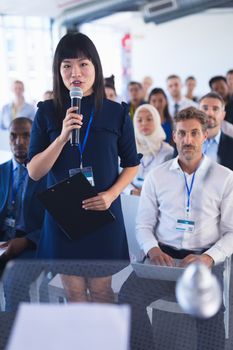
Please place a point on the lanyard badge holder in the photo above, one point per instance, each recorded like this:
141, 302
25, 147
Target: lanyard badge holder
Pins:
186, 225
10, 220
86, 171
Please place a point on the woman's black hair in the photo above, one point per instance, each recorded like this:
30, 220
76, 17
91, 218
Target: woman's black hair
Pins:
76, 45
157, 91
110, 87
110, 81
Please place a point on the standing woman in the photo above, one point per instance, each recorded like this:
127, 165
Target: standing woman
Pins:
158, 99
108, 131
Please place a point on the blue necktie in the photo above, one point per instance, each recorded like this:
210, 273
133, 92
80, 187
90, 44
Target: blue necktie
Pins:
14, 203
18, 184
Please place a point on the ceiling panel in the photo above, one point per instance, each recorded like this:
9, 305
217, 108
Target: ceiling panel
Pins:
80, 11
48, 8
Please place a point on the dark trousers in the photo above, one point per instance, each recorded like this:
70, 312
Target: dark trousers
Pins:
140, 293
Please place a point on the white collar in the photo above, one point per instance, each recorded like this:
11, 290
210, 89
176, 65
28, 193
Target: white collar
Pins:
204, 164
16, 164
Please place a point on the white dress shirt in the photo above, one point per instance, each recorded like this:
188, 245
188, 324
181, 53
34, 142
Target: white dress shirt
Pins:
182, 104
27, 110
163, 201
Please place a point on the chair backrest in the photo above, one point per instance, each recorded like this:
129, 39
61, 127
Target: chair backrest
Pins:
129, 208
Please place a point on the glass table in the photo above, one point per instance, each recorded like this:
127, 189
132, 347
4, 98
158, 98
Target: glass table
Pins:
157, 321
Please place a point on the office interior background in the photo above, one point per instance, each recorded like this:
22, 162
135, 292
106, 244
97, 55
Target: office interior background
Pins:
134, 39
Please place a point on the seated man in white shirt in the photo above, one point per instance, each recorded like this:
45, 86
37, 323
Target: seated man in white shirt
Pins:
185, 212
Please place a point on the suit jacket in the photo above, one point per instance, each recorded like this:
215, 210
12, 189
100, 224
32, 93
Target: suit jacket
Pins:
225, 151
33, 210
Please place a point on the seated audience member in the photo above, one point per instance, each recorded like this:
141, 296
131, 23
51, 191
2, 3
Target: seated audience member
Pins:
150, 143
135, 91
219, 84
199, 192
191, 84
177, 101
110, 80
230, 82
146, 85
21, 214
48, 95
18, 107
109, 88
217, 146
158, 99
110, 92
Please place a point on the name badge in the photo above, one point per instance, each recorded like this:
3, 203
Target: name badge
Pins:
185, 226
87, 172
10, 222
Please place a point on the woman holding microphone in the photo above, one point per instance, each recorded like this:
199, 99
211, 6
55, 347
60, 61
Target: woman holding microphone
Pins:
106, 133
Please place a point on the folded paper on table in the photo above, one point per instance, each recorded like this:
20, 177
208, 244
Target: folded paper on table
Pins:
81, 326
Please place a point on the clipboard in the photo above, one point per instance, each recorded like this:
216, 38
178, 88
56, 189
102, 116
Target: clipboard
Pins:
64, 202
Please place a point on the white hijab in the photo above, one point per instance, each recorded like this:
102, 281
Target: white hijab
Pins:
150, 144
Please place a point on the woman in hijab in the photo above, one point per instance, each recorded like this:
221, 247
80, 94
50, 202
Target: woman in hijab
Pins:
150, 143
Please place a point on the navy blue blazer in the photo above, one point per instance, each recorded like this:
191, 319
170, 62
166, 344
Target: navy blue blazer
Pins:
33, 210
225, 151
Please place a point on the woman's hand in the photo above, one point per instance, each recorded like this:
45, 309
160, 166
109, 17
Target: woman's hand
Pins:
72, 121
136, 191
101, 202
104, 199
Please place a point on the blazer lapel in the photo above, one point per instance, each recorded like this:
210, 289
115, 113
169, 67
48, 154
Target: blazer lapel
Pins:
221, 153
6, 179
30, 187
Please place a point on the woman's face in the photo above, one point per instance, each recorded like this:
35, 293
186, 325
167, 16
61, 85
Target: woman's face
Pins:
159, 102
78, 72
145, 122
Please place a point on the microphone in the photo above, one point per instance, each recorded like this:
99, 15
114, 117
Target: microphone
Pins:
76, 94
198, 291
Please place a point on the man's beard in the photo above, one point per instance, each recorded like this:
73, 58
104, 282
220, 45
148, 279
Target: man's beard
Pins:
212, 123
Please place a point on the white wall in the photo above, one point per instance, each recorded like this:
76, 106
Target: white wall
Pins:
5, 153
198, 45
106, 35
25, 51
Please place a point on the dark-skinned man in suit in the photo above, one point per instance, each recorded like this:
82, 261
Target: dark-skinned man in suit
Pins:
21, 213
